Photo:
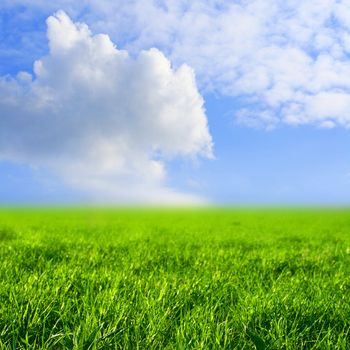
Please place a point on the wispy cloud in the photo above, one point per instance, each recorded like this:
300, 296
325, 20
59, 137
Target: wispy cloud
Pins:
288, 60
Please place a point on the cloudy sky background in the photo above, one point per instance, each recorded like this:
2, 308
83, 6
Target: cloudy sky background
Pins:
175, 101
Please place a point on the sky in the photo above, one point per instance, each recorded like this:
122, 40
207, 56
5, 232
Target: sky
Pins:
175, 102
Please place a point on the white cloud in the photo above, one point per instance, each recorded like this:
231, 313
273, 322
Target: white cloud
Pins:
103, 121
281, 57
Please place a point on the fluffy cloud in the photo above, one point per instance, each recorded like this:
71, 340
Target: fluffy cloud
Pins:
287, 61
102, 120
281, 58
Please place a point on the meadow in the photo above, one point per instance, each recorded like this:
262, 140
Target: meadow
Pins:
174, 279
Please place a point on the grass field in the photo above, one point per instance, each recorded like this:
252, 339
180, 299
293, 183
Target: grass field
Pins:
199, 279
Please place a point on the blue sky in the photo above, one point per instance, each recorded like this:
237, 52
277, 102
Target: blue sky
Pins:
82, 126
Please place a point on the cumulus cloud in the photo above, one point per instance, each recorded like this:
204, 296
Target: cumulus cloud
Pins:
279, 58
102, 120
286, 60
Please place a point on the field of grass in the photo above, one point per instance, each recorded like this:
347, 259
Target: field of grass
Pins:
199, 279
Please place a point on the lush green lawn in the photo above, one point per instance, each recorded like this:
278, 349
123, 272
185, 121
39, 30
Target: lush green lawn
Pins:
206, 279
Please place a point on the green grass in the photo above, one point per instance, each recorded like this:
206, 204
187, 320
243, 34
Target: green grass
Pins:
205, 279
